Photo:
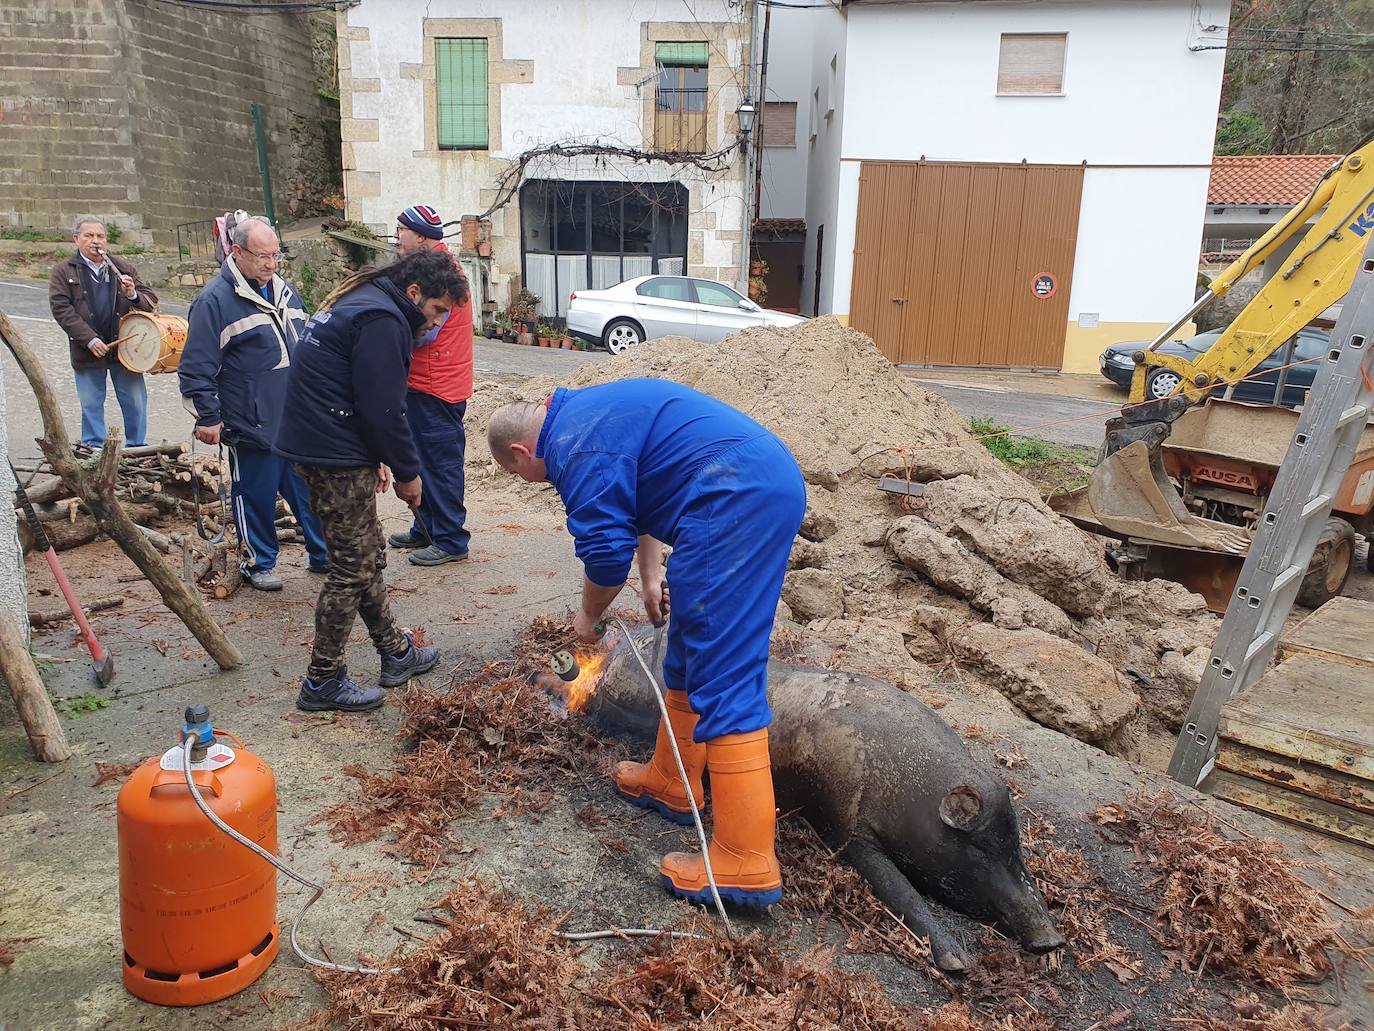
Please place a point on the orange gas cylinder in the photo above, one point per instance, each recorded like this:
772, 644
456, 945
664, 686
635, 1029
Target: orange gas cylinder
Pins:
197, 910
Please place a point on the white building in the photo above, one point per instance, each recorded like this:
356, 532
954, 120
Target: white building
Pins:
550, 118
1006, 183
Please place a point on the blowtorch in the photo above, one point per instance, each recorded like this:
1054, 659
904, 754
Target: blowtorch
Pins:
565, 664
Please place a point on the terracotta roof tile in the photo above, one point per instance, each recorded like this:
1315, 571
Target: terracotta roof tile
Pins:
1266, 179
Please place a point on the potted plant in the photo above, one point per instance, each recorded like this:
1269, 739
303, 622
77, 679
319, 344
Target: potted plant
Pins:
567, 342
758, 281
523, 313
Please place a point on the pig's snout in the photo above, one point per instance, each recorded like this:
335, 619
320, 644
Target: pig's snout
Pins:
1030, 923
1045, 939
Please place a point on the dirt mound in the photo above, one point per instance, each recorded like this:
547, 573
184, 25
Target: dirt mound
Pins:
980, 545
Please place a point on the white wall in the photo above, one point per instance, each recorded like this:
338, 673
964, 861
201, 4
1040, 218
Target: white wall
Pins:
921, 81
829, 56
790, 43
13, 597
577, 48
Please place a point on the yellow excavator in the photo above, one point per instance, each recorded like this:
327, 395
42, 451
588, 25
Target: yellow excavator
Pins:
1132, 496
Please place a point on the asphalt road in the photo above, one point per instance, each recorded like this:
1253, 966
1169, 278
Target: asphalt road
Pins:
1075, 421
1065, 420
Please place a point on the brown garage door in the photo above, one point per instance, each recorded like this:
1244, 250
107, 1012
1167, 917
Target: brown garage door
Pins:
966, 264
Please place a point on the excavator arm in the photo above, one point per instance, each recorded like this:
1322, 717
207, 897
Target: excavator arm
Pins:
1129, 492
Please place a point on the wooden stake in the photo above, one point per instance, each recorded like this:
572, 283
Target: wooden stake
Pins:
95, 485
36, 711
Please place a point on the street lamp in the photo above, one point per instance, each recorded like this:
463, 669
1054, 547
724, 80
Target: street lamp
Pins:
746, 112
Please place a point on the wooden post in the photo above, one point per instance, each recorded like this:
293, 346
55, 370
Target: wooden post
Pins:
30, 696
94, 484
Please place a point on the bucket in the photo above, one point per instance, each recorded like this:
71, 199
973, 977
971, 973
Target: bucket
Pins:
150, 341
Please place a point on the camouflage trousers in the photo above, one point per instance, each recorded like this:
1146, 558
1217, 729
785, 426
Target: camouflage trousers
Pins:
345, 501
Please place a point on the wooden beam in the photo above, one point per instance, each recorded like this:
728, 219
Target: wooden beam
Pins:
94, 483
36, 711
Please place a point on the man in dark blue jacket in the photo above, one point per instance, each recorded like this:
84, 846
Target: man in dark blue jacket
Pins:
242, 337
345, 428
647, 462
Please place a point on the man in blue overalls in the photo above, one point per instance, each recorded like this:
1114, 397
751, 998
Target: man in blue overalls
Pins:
645, 462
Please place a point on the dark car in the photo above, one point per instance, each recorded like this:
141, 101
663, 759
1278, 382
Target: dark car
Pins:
1312, 342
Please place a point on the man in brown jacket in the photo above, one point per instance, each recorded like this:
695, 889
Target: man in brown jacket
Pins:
88, 294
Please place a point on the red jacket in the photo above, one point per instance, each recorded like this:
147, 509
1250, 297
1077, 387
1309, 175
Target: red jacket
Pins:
443, 368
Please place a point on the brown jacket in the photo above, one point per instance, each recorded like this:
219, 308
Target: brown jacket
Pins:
71, 311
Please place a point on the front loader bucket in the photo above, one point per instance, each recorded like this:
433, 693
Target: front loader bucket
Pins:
1130, 494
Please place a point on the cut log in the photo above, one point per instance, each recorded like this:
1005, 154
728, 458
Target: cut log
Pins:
47, 617
48, 491
94, 483
144, 451
36, 711
228, 584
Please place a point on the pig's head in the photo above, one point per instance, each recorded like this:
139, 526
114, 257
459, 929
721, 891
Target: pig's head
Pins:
979, 870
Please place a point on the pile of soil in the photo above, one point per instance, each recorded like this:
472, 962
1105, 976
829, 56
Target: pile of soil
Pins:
977, 584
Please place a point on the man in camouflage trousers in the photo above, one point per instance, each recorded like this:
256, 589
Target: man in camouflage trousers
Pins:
344, 500
345, 430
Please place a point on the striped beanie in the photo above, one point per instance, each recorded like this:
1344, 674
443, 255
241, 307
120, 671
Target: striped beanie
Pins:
422, 219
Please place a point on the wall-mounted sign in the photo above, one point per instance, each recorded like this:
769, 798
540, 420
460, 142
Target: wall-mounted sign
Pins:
1044, 285
1087, 320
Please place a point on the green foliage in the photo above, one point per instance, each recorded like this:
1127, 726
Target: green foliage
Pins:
1014, 451
1242, 132
305, 284
132, 248
524, 308
185, 251
88, 702
113, 233
12, 233
1283, 98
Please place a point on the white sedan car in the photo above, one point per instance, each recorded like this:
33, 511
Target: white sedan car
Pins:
659, 306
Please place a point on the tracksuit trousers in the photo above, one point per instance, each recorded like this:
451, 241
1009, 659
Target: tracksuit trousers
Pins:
437, 427
259, 476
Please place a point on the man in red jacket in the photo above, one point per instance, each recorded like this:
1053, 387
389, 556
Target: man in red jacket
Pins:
439, 387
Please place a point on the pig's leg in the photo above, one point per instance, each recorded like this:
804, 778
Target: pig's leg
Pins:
896, 891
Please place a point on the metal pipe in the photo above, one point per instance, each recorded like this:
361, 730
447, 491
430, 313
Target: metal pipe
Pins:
1183, 319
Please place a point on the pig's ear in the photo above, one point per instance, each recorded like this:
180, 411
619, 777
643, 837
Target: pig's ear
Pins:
961, 807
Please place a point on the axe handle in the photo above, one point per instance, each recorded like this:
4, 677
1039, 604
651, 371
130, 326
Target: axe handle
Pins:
40, 538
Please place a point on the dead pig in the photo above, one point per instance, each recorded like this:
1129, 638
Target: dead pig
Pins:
890, 785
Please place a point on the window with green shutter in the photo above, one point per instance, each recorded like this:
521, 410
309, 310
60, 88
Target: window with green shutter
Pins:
460, 74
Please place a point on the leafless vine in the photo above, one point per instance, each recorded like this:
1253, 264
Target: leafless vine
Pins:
509, 181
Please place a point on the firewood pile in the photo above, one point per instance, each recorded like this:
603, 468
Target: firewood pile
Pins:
172, 494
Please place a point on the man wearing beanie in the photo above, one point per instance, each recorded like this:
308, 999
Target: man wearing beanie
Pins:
439, 387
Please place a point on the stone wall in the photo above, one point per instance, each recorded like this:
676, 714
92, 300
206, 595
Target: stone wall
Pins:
141, 113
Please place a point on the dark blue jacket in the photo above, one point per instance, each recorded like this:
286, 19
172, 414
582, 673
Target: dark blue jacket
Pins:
623, 457
346, 402
239, 348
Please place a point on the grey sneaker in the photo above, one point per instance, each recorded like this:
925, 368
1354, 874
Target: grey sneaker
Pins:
397, 669
339, 693
263, 579
436, 556
405, 540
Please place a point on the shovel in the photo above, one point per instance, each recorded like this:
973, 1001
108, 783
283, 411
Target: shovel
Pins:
101, 660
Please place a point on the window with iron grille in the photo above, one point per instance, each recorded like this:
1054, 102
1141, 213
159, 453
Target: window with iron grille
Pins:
680, 97
460, 79
1031, 64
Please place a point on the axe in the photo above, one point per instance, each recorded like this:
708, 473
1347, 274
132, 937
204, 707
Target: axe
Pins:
101, 661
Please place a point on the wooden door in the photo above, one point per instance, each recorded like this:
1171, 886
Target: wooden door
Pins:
966, 264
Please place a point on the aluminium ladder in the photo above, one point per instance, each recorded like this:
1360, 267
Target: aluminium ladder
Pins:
1324, 441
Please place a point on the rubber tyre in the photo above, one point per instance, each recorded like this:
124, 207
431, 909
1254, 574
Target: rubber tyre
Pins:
1161, 384
1369, 554
1336, 553
621, 335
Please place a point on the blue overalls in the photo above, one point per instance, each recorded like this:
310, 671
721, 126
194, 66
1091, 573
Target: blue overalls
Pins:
647, 456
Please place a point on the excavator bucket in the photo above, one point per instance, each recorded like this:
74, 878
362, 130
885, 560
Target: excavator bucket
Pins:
1131, 494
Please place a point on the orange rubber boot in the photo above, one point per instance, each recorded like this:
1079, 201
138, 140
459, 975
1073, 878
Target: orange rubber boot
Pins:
742, 857
656, 785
